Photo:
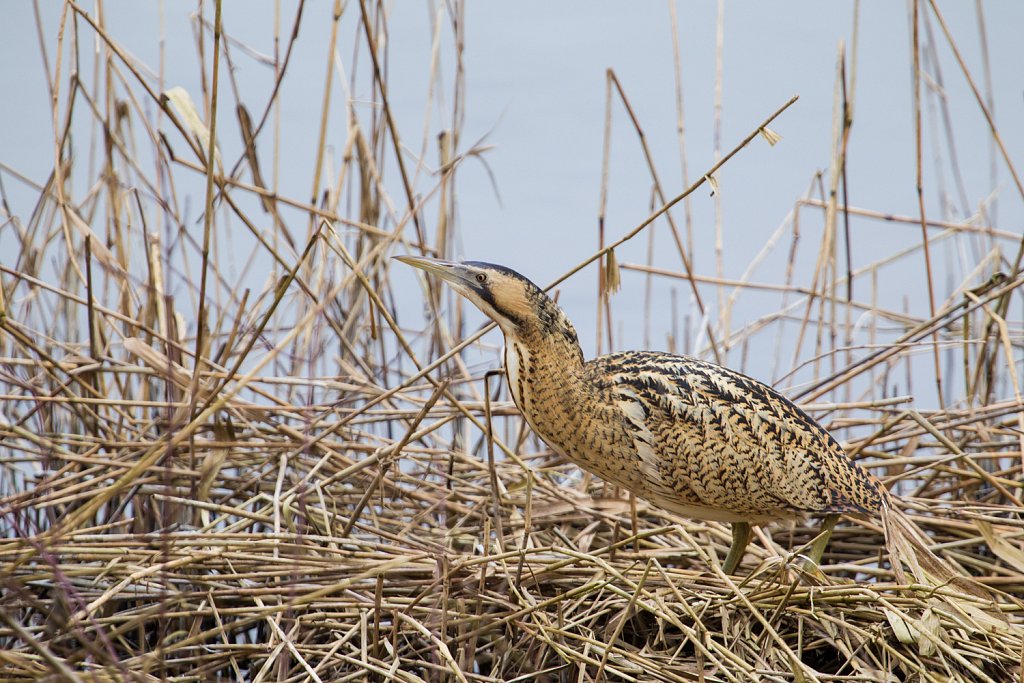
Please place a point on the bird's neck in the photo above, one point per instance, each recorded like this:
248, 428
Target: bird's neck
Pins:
553, 390
543, 362
563, 405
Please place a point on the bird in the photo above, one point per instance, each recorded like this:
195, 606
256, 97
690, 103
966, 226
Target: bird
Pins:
691, 436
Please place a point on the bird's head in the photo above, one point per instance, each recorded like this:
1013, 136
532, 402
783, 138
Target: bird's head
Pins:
517, 305
504, 295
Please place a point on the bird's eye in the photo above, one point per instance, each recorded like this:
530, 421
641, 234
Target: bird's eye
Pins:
481, 277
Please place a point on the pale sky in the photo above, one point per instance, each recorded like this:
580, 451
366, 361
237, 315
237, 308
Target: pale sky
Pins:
535, 88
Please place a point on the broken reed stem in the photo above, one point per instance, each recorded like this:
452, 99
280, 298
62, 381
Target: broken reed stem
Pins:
919, 185
204, 267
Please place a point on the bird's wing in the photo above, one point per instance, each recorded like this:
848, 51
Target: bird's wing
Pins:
714, 436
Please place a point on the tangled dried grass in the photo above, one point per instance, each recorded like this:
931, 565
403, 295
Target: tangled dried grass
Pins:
294, 495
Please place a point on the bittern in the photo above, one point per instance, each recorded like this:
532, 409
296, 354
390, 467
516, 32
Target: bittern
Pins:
693, 437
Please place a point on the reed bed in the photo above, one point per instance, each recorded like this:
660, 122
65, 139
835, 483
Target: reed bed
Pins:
244, 447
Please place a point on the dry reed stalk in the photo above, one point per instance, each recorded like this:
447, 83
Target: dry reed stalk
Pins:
261, 466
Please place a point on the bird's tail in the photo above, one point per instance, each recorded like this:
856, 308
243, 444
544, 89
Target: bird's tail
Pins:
908, 546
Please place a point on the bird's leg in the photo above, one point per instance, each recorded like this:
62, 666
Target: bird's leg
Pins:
740, 537
817, 548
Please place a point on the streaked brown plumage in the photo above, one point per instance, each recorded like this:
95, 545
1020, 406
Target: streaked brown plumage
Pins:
691, 436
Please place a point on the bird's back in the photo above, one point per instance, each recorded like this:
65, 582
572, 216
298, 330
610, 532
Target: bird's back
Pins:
716, 444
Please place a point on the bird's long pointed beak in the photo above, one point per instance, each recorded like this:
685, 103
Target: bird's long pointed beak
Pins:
446, 270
